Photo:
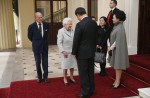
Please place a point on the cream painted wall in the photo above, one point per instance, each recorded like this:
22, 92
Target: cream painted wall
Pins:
72, 5
103, 7
131, 24
26, 17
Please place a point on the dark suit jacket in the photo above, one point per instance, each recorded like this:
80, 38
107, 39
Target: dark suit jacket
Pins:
111, 17
85, 38
39, 43
103, 36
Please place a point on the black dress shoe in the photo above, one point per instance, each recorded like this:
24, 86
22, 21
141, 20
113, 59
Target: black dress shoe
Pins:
82, 96
46, 80
73, 81
103, 73
90, 94
39, 80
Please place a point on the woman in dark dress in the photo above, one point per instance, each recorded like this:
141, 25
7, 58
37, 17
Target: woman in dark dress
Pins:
102, 41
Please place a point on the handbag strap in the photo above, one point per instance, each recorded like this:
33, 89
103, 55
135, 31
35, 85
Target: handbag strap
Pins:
96, 66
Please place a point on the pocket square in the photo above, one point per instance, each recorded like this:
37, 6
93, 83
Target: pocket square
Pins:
45, 29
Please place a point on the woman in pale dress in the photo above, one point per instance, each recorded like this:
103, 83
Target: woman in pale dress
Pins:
118, 51
64, 42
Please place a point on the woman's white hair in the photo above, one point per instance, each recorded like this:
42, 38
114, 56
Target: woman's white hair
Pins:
66, 21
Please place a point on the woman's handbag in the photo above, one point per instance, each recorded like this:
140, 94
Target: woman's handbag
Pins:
99, 57
110, 53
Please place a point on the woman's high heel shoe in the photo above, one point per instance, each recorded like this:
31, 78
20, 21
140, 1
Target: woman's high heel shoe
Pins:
65, 83
113, 85
73, 81
116, 86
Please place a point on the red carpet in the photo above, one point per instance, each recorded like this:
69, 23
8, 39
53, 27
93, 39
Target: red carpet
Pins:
129, 81
139, 72
56, 89
4, 92
137, 76
141, 60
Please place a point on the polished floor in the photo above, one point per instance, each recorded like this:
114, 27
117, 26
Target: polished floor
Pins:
20, 65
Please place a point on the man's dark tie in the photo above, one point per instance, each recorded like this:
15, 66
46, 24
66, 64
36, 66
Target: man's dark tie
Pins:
40, 28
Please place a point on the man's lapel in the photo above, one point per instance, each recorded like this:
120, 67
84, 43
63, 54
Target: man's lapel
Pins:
36, 27
43, 29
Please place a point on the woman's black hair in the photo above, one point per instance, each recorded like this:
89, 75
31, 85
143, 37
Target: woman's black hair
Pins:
105, 19
120, 15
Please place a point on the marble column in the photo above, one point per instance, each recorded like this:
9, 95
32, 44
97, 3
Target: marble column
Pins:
7, 30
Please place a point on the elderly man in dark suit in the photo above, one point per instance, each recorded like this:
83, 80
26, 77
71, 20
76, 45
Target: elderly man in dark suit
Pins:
38, 34
84, 46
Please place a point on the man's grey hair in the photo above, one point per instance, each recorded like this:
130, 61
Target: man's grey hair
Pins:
66, 21
37, 13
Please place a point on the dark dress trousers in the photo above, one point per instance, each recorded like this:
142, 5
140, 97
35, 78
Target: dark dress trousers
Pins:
39, 47
84, 46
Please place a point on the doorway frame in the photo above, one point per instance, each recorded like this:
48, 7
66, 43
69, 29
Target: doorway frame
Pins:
52, 37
